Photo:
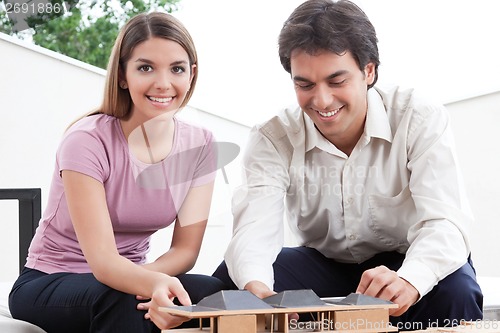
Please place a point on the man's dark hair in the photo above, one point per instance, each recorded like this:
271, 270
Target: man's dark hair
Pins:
327, 25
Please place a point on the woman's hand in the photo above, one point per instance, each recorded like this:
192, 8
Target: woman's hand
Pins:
163, 296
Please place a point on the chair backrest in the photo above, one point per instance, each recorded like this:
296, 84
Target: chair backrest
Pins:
30, 212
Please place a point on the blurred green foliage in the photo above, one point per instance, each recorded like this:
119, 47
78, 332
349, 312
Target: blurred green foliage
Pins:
86, 32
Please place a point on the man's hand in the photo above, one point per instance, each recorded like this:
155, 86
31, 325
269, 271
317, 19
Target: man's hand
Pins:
385, 284
259, 289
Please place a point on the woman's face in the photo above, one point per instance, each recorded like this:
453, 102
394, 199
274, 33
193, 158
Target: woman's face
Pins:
158, 77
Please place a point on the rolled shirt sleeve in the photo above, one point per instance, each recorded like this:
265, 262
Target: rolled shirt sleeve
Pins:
258, 208
438, 240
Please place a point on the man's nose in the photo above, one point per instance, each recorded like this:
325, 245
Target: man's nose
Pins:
323, 98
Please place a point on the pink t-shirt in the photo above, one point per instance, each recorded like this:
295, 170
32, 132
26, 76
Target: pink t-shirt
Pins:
142, 198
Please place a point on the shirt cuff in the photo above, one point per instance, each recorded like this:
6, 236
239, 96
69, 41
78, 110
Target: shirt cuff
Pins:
419, 275
248, 273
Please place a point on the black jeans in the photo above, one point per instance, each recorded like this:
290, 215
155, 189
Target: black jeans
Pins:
69, 302
456, 297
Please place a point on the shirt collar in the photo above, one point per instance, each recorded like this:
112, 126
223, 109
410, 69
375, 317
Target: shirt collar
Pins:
312, 134
315, 139
377, 123
376, 126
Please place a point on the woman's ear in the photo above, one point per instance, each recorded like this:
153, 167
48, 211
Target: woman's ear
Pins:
122, 82
193, 73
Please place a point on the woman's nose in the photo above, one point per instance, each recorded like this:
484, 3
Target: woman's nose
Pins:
163, 81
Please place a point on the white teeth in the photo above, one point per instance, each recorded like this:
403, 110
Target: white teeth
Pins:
329, 114
160, 100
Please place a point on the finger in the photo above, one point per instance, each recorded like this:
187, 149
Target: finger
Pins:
363, 285
166, 321
371, 285
177, 320
403, 307
391, 291
178, 290
405, 301
366, 279
160, 301
381, 282
144, 306
397, 312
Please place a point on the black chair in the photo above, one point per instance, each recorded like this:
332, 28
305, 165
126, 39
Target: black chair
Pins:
30, 212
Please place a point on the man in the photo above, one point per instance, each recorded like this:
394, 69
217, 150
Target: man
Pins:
368, 180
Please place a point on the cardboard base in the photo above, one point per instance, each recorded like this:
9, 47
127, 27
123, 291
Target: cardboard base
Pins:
345, 321
240, 324
239, 311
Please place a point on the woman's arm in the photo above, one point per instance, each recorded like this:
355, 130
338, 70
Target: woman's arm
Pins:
90, 217
188, 233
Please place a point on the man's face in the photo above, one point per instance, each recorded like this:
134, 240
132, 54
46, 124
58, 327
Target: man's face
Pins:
332, 91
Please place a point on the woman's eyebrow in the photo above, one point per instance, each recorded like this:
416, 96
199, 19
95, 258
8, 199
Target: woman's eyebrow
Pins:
147, 61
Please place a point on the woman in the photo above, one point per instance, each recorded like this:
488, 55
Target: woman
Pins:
121, 174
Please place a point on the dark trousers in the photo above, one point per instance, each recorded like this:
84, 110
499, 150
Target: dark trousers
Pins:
456, 297
69, 302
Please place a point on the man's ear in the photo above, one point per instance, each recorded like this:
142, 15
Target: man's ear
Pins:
369, 73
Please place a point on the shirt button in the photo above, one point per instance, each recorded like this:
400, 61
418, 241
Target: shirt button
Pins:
350, 200
352, 237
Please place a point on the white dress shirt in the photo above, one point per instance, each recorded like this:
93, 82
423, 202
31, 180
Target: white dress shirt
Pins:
400, 190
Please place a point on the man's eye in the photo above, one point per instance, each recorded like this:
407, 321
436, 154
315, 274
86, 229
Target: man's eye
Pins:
145, 68
337, 83
304, 86
178, 69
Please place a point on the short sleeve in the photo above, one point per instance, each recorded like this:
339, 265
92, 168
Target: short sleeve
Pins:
83, 152
206, 167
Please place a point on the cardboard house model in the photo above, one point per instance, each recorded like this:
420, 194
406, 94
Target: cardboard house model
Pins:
240, 311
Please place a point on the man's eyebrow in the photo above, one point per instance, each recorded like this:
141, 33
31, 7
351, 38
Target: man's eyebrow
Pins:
337, 73
329, 77
300, 78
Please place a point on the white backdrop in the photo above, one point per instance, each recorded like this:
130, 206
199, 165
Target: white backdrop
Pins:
446, 48
241, 79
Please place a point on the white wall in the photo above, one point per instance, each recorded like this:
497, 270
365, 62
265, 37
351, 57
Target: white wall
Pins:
476, 123
41, 92
444, 48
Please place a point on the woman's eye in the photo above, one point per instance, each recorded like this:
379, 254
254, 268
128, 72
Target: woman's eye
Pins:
145, 68
178, 69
